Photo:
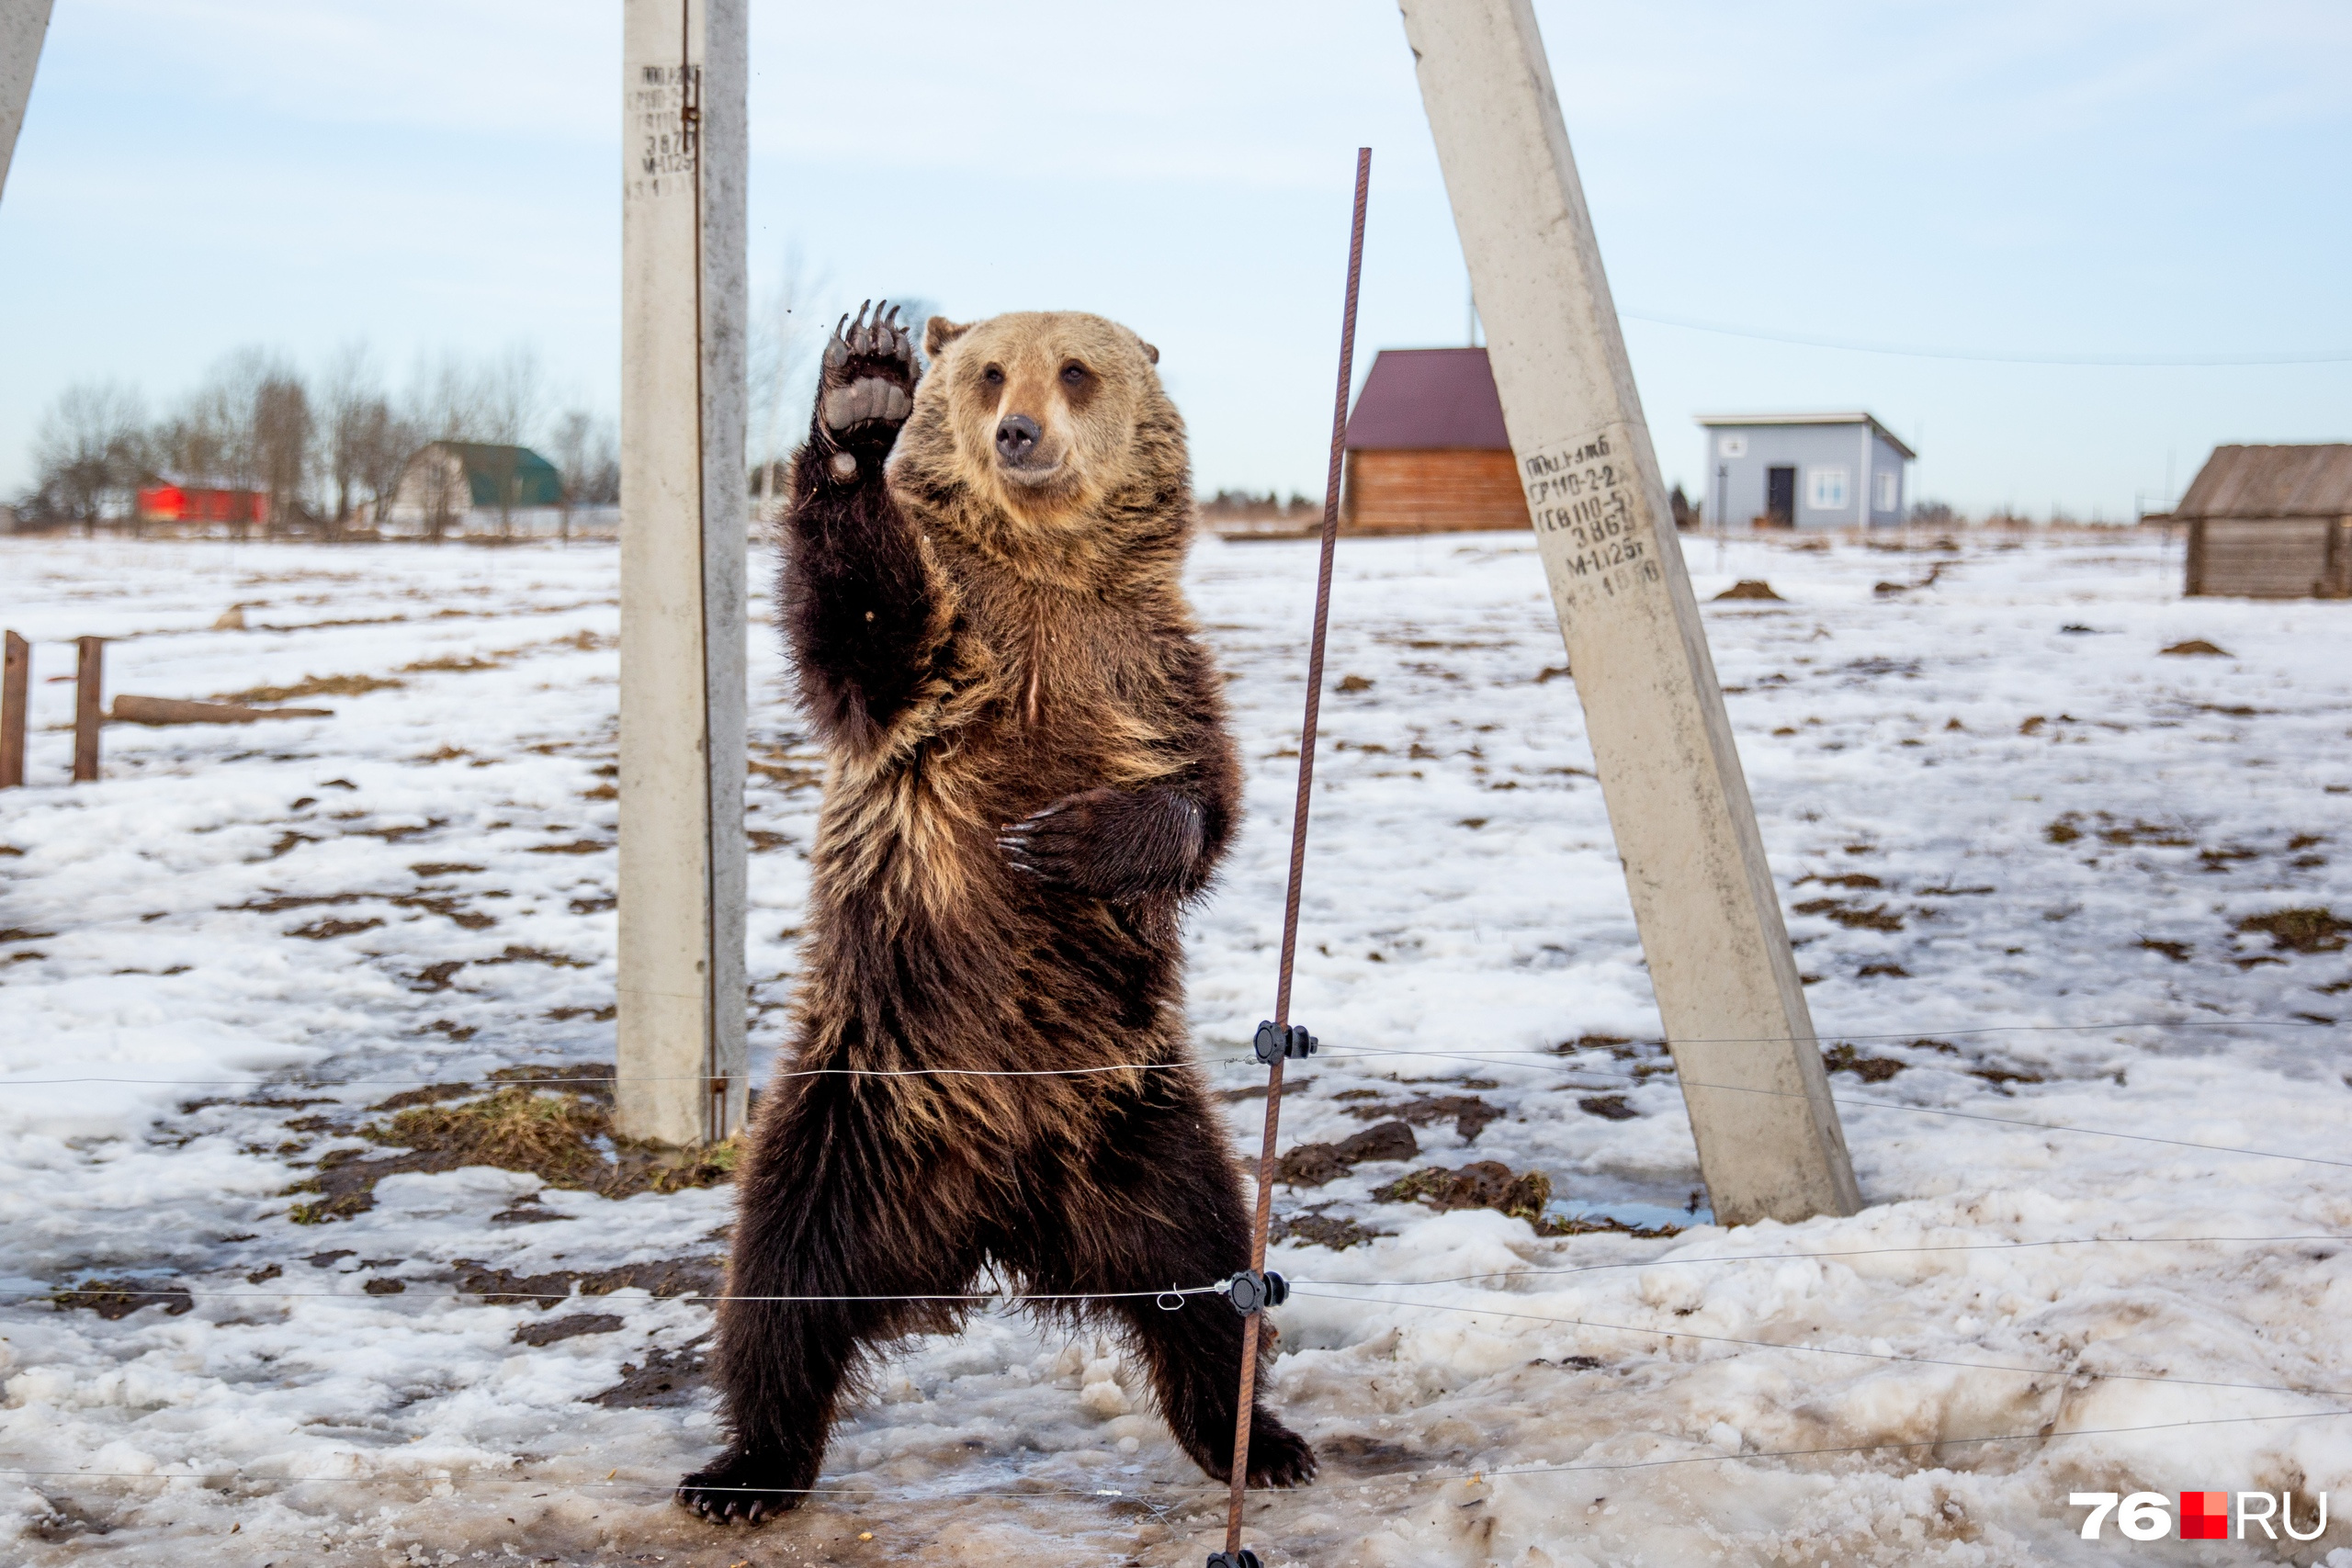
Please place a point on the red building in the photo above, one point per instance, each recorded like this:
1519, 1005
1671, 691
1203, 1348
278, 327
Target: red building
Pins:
201, 503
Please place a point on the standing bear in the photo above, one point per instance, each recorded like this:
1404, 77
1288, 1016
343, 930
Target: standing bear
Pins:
1027, 776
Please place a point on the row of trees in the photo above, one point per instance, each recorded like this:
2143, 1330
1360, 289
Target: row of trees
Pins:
326, 449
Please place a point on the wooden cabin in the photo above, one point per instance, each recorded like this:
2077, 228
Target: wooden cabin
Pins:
2271, 522
1426, 449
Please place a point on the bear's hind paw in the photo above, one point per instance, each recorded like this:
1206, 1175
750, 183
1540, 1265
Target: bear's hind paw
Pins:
1278, 1456
738, 1488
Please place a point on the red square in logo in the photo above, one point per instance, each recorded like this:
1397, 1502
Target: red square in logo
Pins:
2204, 1515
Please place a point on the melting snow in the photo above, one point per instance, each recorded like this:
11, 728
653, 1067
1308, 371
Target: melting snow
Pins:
2020, 846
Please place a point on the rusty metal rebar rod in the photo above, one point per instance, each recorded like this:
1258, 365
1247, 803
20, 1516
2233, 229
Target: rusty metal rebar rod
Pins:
1264, 1214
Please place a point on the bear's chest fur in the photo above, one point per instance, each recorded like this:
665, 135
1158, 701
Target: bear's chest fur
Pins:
1057, 691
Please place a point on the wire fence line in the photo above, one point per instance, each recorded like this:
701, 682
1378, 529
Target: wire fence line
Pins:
1342, 1291
1202, 1491
1887, 1356
1529, 1058
1667, 1042
1015, 1298
1331, 1289
1861, 1104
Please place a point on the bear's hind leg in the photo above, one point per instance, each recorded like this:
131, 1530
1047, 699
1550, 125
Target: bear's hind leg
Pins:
1162, 1205
822, 1213
1195, 1357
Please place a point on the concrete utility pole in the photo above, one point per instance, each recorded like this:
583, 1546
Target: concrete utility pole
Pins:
684, 517
23, 24
1769, 1145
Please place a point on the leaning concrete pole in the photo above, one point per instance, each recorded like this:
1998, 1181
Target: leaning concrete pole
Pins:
684, 517
23, 24
1770, 1145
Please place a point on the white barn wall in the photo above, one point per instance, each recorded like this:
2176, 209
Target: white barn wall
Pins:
1735, 485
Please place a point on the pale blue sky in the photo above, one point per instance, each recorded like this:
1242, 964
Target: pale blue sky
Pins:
2097, 179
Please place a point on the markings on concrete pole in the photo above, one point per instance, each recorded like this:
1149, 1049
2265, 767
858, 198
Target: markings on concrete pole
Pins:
1584, 490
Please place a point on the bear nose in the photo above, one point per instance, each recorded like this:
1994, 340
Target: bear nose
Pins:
1016, 437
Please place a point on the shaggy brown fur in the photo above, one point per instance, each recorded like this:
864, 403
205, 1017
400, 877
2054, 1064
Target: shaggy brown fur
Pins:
1028, 775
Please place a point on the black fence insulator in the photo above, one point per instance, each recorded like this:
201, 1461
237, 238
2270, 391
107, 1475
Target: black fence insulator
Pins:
1274, 1042
1245, 1558
1249, 1292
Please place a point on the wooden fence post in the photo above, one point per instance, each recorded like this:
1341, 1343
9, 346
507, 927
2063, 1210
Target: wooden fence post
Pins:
684, 516
89, 706
16, 680
1770, 1144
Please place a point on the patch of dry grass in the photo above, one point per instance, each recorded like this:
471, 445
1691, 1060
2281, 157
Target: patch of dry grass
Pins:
564, 1138
313, 686
2301, 930
550, 1135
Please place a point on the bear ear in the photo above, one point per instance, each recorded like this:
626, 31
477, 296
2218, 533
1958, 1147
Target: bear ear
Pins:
1150, 353
938, 331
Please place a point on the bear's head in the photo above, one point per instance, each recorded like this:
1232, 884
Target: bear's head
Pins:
1044, 438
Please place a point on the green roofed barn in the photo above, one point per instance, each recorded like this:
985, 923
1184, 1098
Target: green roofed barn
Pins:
477, 489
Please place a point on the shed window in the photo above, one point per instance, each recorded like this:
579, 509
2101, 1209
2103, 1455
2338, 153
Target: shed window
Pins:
1885, 492
1825, 489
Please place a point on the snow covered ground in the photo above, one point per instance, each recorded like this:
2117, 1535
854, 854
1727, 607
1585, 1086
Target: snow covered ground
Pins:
2018, 845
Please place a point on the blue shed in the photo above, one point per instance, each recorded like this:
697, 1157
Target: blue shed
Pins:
1803, 470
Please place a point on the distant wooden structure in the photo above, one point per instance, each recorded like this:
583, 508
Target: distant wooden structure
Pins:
1426, 452
2271, 522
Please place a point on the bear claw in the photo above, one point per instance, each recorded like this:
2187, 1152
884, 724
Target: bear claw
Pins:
869, 364
721, 1495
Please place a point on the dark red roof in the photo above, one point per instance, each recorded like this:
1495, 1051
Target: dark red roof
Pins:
1423, 399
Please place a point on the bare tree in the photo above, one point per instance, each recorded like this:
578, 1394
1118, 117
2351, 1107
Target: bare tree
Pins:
787, 333
90, 447
384, 442
445, 399
445, 403
355, 413
587, 456
282, 442
215, 437
511, 399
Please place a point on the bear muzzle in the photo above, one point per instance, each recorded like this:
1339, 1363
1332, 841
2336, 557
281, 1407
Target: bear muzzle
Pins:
1023, 452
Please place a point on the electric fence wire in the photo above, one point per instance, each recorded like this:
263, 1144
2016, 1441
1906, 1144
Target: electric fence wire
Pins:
1331, 1289
2141, 361
1196, 1489
578, 1081
1489, 1059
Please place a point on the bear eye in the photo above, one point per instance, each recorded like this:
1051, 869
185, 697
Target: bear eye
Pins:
1074, 374
993, 375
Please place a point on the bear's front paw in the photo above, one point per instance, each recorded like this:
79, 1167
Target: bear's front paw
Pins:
1109, 843
740, 1486
867, 390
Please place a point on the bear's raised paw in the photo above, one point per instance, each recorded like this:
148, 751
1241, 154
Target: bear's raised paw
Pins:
866, 388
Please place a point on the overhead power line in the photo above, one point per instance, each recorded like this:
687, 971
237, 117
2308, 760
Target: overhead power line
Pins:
1905, 351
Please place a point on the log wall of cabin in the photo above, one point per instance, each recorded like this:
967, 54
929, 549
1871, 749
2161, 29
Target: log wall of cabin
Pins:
1443, 492
2270, 557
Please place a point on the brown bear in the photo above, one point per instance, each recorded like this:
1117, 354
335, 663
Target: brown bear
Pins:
1028, 776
